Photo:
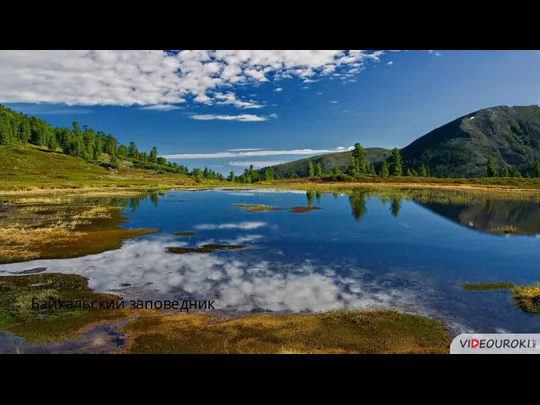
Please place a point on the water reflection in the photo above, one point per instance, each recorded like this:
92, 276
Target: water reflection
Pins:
395, 206
358, 204
496, 217
309, 197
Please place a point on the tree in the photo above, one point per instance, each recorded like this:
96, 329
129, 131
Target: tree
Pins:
5, 133
506, 171
255, 176
353, 167
409, 173
491, 171
205, 173
310, 169
423, 171
384, 169
122, 151
360, 156
318, 169
269, 174
231, 177
132, 150
396, 169
372, 170
52, 144
153, 154
335, 170
537, 169
197, 174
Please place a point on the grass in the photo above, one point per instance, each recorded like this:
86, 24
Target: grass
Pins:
527, 298
58, 230
209, 248
506, 230
382, 331
28, 169
54, 324
184, 233
257, 207
502, 285
306, 208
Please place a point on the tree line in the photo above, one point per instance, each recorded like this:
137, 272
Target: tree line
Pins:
508, 171
84, 142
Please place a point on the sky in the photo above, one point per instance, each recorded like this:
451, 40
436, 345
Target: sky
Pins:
227, 109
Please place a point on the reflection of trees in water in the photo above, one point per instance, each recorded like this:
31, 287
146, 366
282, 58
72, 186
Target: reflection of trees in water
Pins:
395, 206
154, 198
336, 195
489, 206
309, 196
358, 204
318, 197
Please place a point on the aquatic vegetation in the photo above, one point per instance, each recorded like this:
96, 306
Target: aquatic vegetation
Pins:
305, 208
209, 248
257, 207
53, 323
502, 285
29, 232
381, 331
527, 298
184, 233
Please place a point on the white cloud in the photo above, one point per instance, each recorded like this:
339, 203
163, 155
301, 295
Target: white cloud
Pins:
161, 107
257, 163
155, 78
253, 153
273, 115
434, 53
333, 102
241, 118
304, 88
243, 149
320, 93
230, 99
390, 63
241, 225
278, 89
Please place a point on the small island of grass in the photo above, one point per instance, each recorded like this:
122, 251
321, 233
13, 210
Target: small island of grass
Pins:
184, 233
502, 285
527, 298
209, 248
306, 208
257, 207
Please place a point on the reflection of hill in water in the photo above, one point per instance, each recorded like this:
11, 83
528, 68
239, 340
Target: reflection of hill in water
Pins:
493, 217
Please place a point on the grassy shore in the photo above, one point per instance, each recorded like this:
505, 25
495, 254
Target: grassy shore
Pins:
525, 297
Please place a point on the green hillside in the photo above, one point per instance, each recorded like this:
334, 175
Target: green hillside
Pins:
457, 149
461, 147
328, 162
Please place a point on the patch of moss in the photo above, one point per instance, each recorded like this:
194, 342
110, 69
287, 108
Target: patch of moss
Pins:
306, 208
56, 322
527, 298
209, 248
382, 331
257, 207
184, 233
503, 285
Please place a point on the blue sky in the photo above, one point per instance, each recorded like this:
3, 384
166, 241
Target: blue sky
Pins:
215, 104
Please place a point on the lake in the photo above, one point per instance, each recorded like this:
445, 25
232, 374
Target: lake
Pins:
357, 252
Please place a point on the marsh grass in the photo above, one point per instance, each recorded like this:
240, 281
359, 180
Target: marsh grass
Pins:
502, 285
52, 324
306, 208
506, 230
209, 248
382, 331
257, 207
184, 233
62, 231
527, 298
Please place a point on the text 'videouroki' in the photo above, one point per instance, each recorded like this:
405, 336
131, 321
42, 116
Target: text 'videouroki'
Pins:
496, 343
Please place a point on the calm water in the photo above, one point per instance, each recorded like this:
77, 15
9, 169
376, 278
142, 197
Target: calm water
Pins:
354, 253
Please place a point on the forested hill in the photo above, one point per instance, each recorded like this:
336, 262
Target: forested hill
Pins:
95, 147
459, 148
328, 163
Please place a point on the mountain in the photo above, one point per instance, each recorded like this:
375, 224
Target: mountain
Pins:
339, 159
459, 148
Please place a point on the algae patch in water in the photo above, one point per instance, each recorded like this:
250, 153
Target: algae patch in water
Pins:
503, 285
51, 321
209, 248
257, 207
381, 331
